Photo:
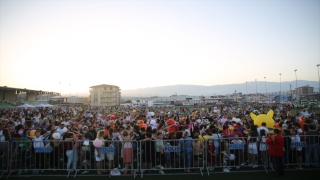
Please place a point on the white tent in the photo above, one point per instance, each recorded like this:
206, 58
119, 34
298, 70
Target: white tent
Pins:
48, 105
41, 106
25, 106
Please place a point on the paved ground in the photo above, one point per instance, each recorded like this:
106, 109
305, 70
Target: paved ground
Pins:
289, 175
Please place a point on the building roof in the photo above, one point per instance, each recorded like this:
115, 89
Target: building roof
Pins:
5, 88
103, 85
305, 86
58, 97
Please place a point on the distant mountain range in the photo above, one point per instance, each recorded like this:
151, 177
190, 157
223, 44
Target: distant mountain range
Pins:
197, 90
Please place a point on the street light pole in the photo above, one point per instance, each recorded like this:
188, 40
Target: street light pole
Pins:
70, 94
280, 89
295, 72
247, 91
60, 94
265, 85
256, 91
318, 76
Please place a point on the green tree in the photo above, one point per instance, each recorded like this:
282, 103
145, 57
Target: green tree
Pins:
128, 101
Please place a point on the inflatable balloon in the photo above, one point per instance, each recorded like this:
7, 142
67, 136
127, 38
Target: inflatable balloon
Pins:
267, 118
222, 121
20, 132
33, 133
56, 135
97, 143
134, 111
232, 157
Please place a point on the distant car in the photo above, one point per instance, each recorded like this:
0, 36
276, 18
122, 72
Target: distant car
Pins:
313, 102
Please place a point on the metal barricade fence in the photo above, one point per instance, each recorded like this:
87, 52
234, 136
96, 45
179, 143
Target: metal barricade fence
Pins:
147, 156
163, 155
235, 152
113, 156
301, 150
4, 157
40, 156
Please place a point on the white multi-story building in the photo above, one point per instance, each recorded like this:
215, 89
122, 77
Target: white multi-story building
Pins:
105, 95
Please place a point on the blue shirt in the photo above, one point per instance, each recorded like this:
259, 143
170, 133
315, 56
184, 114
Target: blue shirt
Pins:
186, 144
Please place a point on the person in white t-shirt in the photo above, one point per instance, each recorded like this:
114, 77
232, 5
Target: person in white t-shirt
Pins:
297, 150
153, 123
17, 122
238, 152
61, 129
23, 121
66, 122
263, 127
263, 146
38, 143
37, 118
128, 116
297, 127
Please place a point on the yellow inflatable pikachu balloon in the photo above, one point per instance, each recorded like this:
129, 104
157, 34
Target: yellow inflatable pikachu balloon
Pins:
267, 118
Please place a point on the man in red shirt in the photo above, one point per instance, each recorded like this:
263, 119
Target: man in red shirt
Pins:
171, 124
275, 150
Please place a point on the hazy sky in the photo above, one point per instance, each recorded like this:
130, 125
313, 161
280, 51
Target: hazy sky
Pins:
136, 44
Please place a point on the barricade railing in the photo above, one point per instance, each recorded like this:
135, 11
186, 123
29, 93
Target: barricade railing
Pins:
301, 150
235, 152
113, 156
163, 155
253, 153
4, 157
41, 155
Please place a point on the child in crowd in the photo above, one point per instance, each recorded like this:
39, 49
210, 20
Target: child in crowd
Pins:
297, 151
210, 154
127, 151
160, 156
263, 146
252, 148
197, 151
238, 152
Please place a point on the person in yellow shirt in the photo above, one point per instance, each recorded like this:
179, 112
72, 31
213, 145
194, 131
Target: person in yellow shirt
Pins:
207, 135
197, 134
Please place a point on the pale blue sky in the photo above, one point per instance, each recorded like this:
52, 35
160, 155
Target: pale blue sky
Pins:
136, 44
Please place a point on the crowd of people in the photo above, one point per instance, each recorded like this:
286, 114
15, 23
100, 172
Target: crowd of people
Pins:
202, 135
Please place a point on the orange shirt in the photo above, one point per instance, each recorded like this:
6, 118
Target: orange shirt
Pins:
277, 126
106, 131
172, 128
301, 123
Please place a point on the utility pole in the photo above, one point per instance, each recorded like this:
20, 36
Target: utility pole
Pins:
60, 94
280, 89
